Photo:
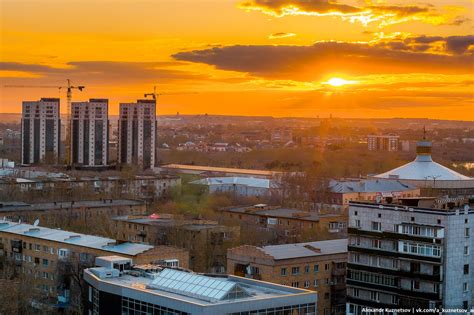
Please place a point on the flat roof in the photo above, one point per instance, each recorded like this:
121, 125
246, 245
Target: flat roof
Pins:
368, 185
220, 169
78, 239
22, 206
308, 249
282, 213
235, 180
199, 289
170, 221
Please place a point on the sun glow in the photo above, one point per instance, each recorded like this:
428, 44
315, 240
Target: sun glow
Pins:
338, 82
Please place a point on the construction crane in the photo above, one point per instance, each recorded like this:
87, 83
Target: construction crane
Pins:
68, 89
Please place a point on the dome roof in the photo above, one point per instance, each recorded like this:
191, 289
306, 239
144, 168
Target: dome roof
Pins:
423, 168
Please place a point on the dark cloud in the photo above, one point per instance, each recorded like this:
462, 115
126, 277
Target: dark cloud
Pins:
281, 35
104, 72
312, 62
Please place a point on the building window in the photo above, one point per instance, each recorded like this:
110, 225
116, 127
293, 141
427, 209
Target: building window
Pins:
415, 285
45, 262
295, 270
326, 267
355, 292
283, 271
466, 269
376, 244
465, 286
37, 247
374, 296
376, 226
306, 269
357, 223
316, 268
306, 284
315, 283
295, 284
466, 250
466, 232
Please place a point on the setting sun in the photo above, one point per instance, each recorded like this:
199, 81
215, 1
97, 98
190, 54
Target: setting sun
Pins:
338, 82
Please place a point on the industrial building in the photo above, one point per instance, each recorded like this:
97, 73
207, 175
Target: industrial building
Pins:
128, 289
90, 132
40, 131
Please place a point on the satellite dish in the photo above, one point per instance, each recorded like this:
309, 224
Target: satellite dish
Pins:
37, 221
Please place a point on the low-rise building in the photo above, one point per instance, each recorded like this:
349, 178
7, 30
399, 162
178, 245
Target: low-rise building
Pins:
288, 225
65, 213
242, 186
171, 291
217, 171
42, 254
207, 241
319, 266
413, 254
341, 192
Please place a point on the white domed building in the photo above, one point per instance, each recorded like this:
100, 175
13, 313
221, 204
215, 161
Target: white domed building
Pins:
423, 172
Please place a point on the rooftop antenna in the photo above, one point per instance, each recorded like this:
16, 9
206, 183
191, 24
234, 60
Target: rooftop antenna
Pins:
37, 221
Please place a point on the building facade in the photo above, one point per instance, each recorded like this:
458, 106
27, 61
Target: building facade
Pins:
207, 241
41, 131
137, 134
411, 257
318, 266
382, 143
177, 292
41, 253
90, 132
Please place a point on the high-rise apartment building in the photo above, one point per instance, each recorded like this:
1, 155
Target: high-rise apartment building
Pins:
40, 136
90, 132
382, 143
411, 254
137, 133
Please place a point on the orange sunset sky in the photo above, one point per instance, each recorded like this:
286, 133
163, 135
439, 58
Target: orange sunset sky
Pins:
348, 58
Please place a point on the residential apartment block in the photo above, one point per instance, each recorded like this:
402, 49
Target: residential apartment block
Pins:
382, 143
40, 131
118, 287
319, 266
90, 132
285, 225
207, 241
137, 134
40, 253
416, 253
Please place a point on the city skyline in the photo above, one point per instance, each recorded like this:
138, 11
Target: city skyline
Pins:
361, 59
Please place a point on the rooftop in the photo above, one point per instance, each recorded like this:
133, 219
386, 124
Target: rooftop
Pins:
60, 236
234, 180
277, 212
198, 288
368, 185
168, 220
220, 169
22, 206
309, 249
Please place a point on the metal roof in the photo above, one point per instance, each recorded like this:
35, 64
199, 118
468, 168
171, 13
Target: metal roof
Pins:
66, 237
368, 185
220, 169
198, 286
16, 206
234, 180
309, 249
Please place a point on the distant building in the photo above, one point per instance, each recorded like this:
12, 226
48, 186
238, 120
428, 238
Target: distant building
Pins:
126, 289
281, 135
241, 186
40, 252
218, 171
382, 143
319, 266
429, 176
40, 131
287, 225
207, 241
90, 132
137, 134
342, 191
413, 254
58, 214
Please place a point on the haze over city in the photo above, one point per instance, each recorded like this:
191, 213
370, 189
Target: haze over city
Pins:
300, 58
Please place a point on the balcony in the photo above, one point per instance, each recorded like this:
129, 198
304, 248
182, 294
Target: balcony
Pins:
387, 253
